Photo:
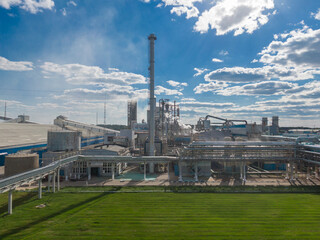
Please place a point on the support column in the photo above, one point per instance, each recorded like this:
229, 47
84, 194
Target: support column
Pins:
287, 170
112, 166
168, 171
54, 182
244, 172
40, 188
316, 171
10, 202
145, 171
291, 171
49, 182
196, 172
89, 173
66, 177
58, 179
308, 171
180, 172
296, 170
241, 171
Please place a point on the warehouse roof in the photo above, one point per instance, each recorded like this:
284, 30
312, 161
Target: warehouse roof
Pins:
12, 134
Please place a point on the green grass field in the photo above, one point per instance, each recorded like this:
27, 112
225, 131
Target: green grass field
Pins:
161, 216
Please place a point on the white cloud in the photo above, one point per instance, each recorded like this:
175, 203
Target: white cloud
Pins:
113, 69
246, 75
188, 99
109, 93
72, 3
178, 85
224, 16
234, 15
8, 65
162, 90
194, 103
191, 12
217, 60
159, 5
310, 90
91, 75
316, 15
181, 7
300, 49
237, 74
212, 86
199, 71
32, 6
261, 88
63, 12
223, 53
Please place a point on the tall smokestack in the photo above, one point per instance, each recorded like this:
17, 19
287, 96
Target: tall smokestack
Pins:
152, 38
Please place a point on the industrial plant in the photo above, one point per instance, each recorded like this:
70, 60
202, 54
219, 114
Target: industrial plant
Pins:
164, 150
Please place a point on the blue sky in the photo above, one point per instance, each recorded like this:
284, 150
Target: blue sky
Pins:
243, 59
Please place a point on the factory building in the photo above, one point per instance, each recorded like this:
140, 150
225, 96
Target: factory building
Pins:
212, 148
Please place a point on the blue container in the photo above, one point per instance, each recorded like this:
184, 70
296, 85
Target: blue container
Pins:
176, 169
269, 166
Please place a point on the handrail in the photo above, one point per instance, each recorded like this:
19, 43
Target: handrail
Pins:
35, 173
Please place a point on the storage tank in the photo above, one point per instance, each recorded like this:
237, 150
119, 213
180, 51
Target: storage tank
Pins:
19, 163
64, 141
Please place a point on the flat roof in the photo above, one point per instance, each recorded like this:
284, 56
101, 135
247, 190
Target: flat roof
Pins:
12, 134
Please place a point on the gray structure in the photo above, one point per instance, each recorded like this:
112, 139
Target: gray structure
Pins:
264, 124
132, 113
64, 141
152, 127
19, 163
274, 128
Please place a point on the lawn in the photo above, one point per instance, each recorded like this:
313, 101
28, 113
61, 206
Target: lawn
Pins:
100, 215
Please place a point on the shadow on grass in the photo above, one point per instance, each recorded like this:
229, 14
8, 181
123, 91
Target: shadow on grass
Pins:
16, 202
46, 218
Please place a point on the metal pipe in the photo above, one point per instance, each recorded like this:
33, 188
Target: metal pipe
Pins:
112, 166
58, 179
40, 189
180, 172
10, 202
54, 182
